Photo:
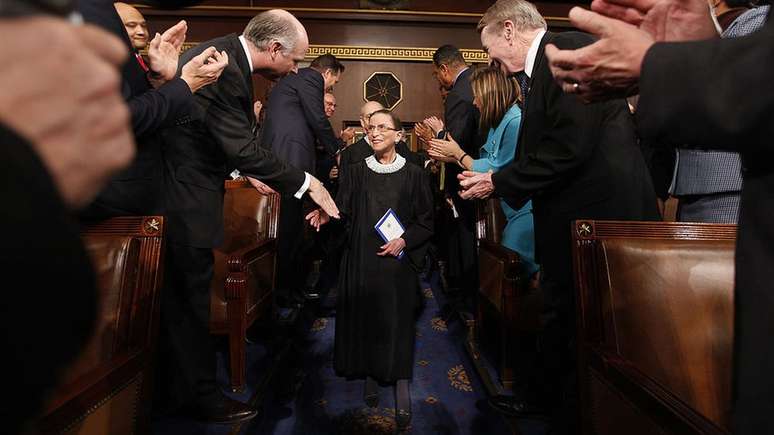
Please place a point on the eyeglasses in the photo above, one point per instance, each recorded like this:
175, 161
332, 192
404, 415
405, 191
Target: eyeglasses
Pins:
379, 128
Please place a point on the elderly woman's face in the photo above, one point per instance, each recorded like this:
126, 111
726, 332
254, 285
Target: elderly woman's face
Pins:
381, 132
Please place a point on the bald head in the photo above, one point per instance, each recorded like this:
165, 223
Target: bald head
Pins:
366, 111
135, 24
280, 41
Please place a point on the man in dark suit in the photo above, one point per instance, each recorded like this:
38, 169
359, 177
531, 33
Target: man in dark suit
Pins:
685, 90
461, 119
574, 161
137, 190
198, 156
295, 122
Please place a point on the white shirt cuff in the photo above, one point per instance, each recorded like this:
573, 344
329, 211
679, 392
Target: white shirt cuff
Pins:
305, 186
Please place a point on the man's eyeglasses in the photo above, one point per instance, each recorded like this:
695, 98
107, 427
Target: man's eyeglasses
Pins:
380, 128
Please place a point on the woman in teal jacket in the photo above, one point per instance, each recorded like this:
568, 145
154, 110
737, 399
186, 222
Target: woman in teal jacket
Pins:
496, 97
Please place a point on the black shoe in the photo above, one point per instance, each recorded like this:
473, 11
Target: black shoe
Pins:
223, 410
371, 393
402, 419
514, 407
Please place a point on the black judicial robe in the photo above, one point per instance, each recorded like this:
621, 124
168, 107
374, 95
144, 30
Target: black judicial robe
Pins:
378, 296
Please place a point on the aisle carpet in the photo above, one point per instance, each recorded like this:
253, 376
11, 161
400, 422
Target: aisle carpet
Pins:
447, 397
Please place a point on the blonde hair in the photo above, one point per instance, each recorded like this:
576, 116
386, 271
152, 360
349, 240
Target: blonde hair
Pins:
524, 15
496, 93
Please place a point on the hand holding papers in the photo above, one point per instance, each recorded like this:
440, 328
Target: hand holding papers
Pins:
390, 229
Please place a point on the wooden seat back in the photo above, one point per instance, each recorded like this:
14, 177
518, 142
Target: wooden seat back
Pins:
655, 313
107, 389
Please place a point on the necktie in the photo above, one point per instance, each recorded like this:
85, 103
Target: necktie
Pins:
141, 62
523, 79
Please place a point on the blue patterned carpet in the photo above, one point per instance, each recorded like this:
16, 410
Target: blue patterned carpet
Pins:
447, 397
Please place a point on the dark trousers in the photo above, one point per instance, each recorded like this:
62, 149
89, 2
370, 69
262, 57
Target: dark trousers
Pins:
462, 257
186, 354
292, 251
553, 375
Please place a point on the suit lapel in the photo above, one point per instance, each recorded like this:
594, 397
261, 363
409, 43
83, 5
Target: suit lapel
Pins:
244, 65
536, 68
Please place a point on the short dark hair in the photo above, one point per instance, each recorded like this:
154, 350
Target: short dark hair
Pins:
448, 55
327, 62
396, 124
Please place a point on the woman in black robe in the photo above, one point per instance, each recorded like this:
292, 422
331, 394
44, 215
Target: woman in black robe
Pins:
378, 291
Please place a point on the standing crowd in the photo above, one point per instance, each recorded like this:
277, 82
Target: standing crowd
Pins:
558, 127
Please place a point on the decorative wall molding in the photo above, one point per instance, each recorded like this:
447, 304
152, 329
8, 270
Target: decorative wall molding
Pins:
418, 54
354, 52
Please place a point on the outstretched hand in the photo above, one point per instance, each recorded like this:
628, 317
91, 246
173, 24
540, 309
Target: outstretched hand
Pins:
261, 186
317, 218
321, 197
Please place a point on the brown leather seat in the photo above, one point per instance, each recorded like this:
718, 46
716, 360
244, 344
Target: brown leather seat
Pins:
655, 303
507, 310
243, 282
107, 389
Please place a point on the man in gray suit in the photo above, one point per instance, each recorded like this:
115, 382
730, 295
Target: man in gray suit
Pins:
709, 182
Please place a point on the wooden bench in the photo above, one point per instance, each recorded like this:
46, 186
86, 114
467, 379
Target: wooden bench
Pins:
107, 390
655, 326
243, 283
507, 309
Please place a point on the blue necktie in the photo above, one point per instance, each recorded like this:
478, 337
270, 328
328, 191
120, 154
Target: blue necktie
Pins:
523, 79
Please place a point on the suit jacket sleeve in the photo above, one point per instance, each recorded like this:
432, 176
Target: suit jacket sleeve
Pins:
566, 142
43, 243
712, 86
231, 128
505, 152
460, 122
160, 107
311, 95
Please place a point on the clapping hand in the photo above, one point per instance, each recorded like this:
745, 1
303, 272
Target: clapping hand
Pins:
611, 66
164, 52
445, 150
434, 123
76, 119
392, 248
475, 185
424, 133
204, 69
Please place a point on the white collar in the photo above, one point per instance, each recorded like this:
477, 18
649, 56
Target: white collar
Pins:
389, 168
247, 52
459, 74
529, 63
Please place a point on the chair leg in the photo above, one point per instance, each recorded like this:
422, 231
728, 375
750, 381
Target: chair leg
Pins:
237, 356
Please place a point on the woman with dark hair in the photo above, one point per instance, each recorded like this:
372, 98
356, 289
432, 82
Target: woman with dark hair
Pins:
378, 291
496, 97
